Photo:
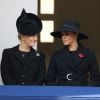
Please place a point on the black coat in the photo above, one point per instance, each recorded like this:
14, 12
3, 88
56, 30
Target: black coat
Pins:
62, 70
16, 71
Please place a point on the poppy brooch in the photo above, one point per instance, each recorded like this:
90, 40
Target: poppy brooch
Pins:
81, 55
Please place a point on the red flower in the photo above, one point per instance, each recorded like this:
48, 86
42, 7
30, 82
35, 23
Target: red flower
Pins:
81, 55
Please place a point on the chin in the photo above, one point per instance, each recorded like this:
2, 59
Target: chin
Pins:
66, 43
31, 45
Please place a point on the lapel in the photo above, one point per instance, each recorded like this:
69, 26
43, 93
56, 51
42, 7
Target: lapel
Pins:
67, 58
82, 54
17, 54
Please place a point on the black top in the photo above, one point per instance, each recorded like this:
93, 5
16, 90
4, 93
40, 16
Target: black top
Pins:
22, 68
72, 67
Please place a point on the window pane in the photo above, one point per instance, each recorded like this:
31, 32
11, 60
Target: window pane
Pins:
47, 6
48, 27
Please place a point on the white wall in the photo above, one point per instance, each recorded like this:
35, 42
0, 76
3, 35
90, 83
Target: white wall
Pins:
9, 11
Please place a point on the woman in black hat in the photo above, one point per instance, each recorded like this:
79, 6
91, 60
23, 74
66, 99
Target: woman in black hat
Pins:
23, 65
74, 64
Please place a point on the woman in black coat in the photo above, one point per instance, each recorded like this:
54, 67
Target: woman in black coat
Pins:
23, 65
74, 64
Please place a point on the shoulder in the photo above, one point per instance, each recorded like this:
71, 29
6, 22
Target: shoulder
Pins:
88, 50
7, 50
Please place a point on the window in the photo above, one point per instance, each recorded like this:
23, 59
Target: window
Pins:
46, 13
48, 27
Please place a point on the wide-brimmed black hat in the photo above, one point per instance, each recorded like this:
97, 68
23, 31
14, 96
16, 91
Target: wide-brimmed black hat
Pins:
69, 26
28, 24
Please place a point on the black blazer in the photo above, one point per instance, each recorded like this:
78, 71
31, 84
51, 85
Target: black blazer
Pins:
62, 71
16, 71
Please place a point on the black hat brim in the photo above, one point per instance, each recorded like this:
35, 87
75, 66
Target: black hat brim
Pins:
58, 34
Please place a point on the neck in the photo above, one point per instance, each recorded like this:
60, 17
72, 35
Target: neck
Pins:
73, 46
24, 47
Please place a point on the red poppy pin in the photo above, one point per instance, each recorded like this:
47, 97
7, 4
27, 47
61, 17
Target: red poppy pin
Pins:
81, 55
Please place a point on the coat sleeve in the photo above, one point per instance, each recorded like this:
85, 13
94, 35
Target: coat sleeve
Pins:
5, 70
51, 73
41, 72
94, 71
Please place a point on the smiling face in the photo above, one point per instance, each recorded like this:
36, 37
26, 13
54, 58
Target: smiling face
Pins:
29, 40
69, 38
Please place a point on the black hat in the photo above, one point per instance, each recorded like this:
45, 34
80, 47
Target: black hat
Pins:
69, 26
28, 24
